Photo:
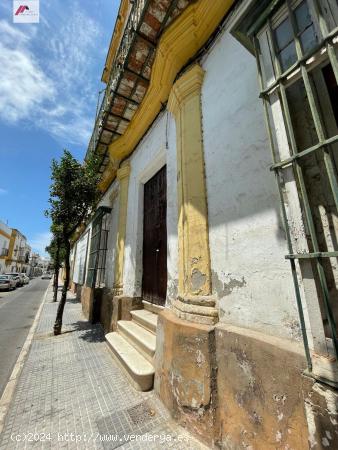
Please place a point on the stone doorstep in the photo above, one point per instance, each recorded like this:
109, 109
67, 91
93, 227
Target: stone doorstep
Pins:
156, 309
140, 371
144, 341
146, 319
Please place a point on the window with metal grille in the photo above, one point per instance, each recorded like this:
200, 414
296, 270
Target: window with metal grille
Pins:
98, 248
295, 43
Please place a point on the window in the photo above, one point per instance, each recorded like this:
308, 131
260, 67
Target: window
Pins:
296, 48
297, 57
98, 248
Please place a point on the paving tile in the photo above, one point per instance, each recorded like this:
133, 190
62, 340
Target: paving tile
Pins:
72, 391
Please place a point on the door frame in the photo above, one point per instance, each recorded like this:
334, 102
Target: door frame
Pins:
152, 167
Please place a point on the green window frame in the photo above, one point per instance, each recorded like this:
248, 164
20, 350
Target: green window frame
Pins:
258, 30
98, 248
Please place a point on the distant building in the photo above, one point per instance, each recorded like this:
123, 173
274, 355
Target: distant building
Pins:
15, 252
38, 265
5, 237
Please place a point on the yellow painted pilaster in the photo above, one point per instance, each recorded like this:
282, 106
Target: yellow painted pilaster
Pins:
123, 177
194, 255
11, 247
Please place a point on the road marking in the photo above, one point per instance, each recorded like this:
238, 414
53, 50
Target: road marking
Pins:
7, 395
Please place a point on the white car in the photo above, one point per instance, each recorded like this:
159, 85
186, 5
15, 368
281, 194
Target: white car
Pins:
16, 277
46, 276
7, 282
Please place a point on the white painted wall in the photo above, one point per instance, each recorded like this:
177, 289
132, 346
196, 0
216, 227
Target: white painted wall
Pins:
151, 154
250, 275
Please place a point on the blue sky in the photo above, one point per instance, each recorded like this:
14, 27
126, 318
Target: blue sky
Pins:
49, 80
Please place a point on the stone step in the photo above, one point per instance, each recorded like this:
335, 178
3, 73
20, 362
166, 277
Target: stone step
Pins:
140, 371
146, 319
142, 339
152, 307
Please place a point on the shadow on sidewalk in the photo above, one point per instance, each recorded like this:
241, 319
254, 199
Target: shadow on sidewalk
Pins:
88, 332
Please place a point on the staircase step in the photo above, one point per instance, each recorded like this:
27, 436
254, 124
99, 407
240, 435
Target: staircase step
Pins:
139, 337
145, 318
152, 307
140, 371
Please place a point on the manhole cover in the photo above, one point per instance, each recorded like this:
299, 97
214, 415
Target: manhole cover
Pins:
141, 413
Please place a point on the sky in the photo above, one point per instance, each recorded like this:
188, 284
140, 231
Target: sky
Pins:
50, 76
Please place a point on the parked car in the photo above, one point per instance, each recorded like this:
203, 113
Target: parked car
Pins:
46, 276
25, 278
17, 277
7, 282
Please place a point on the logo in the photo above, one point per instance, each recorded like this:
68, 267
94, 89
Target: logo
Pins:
21, 9
26, 11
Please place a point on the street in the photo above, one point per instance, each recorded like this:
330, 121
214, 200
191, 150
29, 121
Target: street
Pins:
17, 312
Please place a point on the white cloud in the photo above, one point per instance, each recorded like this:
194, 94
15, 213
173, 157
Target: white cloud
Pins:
45, 76
3, 191
40, 241
23, 85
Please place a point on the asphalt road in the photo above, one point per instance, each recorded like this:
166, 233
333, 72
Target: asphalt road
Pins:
17, 312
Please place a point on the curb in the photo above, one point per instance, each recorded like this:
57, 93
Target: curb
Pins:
7, 395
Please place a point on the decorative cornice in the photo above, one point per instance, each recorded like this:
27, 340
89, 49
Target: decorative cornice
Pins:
123, 171
186, 86
179, 43
3, 233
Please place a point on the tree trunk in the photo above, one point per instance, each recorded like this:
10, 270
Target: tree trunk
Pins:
59, 314
56, 271
56, 284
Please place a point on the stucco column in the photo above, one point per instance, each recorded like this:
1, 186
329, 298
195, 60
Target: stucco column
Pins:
123, 177
194, 301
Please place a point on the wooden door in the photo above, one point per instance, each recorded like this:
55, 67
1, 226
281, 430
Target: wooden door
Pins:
154, 285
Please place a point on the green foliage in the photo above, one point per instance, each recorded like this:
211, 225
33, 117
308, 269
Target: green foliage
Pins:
57, 252
73, 194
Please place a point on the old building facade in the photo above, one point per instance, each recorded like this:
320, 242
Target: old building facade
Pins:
15, 250
211, 260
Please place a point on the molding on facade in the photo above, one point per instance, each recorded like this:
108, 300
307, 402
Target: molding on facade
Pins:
179, 43
8, 236
123, 176
11, 247
194, 278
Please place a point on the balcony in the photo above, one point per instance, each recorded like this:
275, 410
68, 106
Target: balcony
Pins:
131, 71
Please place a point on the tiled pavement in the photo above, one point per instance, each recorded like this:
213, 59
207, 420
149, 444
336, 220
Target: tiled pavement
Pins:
71, 390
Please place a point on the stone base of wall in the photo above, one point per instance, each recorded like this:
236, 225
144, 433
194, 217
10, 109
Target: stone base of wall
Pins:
236, 388
78, 292
106, 309
87, 295
185, 373
121, 309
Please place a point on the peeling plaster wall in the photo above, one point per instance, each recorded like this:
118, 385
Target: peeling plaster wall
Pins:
150, 155
250, 276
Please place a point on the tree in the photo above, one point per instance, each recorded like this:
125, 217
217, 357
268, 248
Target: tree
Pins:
73, 195
56, 251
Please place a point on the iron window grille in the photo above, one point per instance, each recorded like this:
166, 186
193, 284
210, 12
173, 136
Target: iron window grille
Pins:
98, 248
295, 44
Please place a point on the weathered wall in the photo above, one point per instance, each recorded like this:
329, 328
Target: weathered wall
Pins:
87, 301
149, 157
250, 275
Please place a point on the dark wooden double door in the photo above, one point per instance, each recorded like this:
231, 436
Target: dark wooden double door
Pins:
154, 285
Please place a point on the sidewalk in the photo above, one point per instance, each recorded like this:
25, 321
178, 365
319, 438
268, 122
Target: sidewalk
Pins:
71, 390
